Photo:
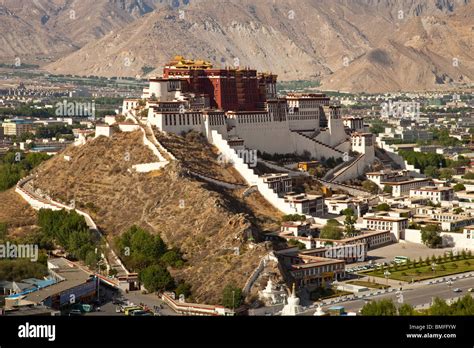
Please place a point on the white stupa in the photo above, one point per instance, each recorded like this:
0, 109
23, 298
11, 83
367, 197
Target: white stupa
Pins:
293, 306
319, 311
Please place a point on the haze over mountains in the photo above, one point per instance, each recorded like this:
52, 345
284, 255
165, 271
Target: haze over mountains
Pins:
351, 45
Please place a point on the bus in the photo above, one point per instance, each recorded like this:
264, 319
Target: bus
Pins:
130, 309
400, 259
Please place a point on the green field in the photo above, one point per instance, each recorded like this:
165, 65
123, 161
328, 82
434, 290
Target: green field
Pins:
424, 272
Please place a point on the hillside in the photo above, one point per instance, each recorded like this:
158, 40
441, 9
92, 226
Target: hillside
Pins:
356, 45
16, 213
43, 30
206, 222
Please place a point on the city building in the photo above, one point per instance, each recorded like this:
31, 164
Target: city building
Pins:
103, 130
306, 204
433, 193
17, 127
337, 203
402, 188
310, 271
396, 225
279, 183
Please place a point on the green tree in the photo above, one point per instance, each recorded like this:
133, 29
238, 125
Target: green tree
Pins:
349, 222
370, 186
459, 187
440, 307
382, 207
383, 307
183, 288
406, 310
388, 189
156, 278
294, 242
430, 236
172, 258
232, 296
294, 217
330, 231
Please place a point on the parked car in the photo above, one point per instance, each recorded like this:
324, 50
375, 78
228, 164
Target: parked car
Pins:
457, 290
470, 290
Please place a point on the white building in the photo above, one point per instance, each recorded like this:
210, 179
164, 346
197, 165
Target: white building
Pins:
103, 130
306, 204
386, 223
402, 188
434, 193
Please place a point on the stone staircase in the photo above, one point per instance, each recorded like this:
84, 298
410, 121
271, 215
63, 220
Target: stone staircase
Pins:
348, 167
332, 151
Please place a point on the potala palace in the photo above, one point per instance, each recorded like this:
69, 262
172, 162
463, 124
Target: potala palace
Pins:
240, 107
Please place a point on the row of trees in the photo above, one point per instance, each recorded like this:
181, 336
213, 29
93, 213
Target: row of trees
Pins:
429, 261
69, 230
439, 307
15, 165
148, 255
422, 160
18, 269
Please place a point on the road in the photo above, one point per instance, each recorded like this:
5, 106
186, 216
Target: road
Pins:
415, 296
136, 297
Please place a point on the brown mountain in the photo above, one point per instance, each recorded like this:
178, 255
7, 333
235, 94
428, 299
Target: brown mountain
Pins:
47, 29
357, 45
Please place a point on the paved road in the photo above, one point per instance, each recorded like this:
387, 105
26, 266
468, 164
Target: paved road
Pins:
136, 297
415, 296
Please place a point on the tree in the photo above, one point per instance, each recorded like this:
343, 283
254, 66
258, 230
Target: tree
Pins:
3, 230
183, 288
349, 222
294, 217
383, 307
370, 186
156, 278
430, 236
440, 307
382, 207
172, 258
331, 232
294, 242
232, 296
469, 176
388, 189
406, 310
459, 187
91, 259
446, 173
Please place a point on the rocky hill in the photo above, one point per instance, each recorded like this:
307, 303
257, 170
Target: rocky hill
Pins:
205, 221
16, 213
41, 31
354, 45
